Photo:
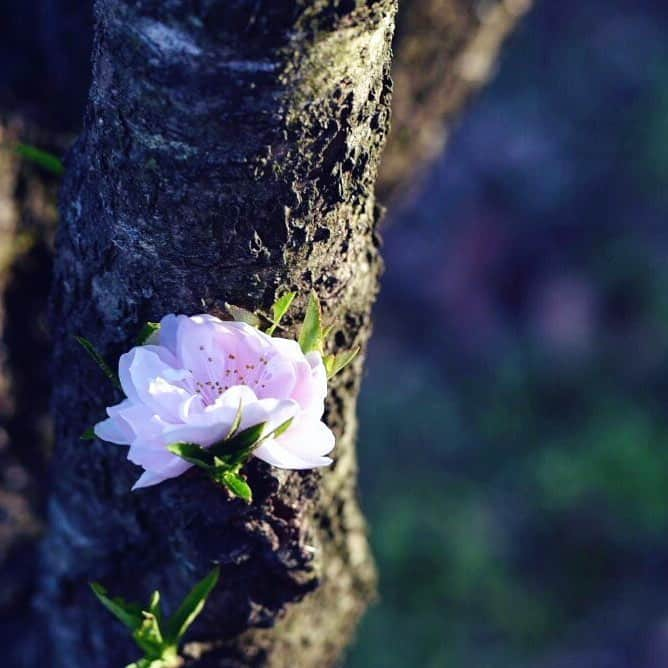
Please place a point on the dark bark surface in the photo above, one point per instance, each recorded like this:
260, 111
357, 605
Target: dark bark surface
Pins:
230, 151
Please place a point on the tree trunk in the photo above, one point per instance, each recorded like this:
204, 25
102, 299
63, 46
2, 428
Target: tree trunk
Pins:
229, 152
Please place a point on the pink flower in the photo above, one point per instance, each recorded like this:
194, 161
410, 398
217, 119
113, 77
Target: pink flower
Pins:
187, 383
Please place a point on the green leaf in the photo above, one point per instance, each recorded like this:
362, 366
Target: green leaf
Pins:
236, 484
327, 331
236, 450
281, 429
193, 453
191, 607
168, 659
154, 606
99, 360
242, 315
88, 435
235, 423
149, 636
279, 309
42, 158
147, 331
310, 336
128, 613
219, 465
335, 363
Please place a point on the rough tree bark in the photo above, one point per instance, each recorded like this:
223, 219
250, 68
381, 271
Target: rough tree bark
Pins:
230, 151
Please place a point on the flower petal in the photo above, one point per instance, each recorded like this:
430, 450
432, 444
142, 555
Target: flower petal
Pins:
114, 430
168, 329
199, 347
274, 412
310, 389
172, 470
275, 454
308, 437
149, 375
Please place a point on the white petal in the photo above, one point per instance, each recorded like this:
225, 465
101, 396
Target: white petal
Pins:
224, 409
203, 434
149, 478
198, 347
275, 454
168, 328
140, 420
278, 378
235, 395
307, 438
287, 348
274, 412
143, 373
114, 430
310, 388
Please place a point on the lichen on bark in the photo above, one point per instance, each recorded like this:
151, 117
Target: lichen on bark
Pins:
229, 152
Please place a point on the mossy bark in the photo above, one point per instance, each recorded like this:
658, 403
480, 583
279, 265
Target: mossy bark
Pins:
229, 152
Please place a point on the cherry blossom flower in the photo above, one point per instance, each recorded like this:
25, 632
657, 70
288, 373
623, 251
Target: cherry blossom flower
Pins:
196, 374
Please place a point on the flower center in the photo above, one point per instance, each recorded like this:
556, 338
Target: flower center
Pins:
217, 375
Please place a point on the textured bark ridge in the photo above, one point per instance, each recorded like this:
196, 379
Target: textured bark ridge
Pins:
230, 151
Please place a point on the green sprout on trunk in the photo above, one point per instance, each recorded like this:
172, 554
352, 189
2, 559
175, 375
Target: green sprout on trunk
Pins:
159, 638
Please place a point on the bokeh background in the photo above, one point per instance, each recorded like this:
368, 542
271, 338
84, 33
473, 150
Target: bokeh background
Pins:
514, 422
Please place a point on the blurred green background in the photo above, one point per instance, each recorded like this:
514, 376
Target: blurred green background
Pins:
514, 431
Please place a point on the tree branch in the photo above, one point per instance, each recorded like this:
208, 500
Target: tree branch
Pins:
445, 51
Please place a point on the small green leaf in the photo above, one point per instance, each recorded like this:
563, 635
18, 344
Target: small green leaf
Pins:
88, 435
193, 454
242, 315
281, 429
279, 309
99, 360
326, 332
147, 331
328, 361
42, 158
191, 607
237, 449
149, 636
310, 336
128, 613
237, 485
335, 363
235, 423
219, 465
154, 606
